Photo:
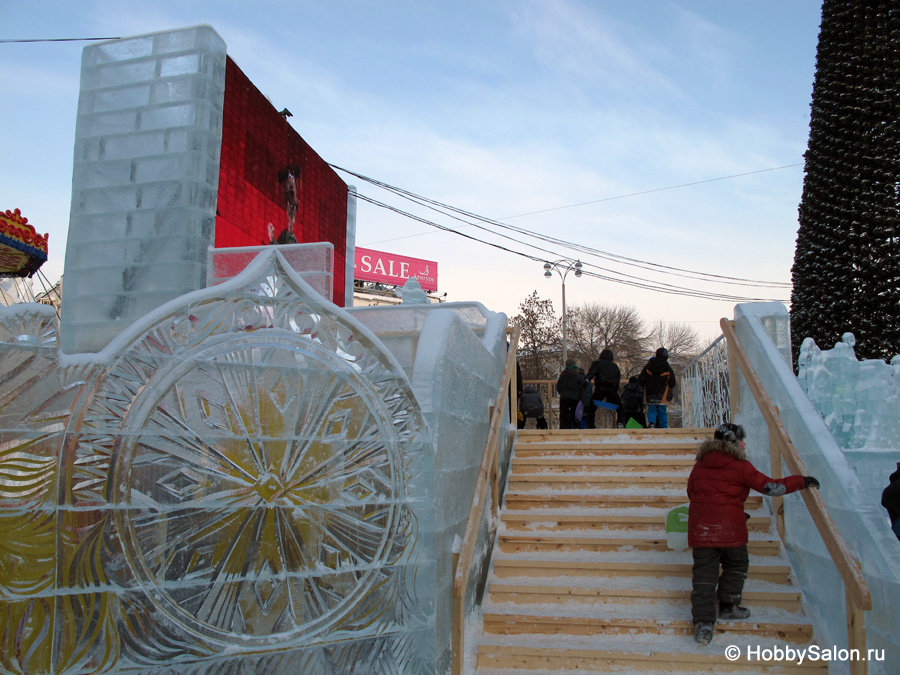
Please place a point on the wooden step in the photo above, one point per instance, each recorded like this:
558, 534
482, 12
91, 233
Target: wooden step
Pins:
525, 500
788, 600
566, 521
680, 450
518, 624
507, 567
563, 481
656, 436
543, 543
543, 659
525, 465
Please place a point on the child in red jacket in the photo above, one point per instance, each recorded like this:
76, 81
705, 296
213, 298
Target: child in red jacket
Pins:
717, 526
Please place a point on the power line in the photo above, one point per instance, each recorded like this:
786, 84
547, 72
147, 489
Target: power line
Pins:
58, 39
665, 269
647, 192
661, 287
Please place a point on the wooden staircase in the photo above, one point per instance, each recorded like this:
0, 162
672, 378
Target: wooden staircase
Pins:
582, 579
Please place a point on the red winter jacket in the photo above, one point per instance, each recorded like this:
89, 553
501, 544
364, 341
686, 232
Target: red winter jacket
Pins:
717, 487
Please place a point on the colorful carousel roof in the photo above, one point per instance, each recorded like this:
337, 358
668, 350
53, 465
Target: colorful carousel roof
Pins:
22, 249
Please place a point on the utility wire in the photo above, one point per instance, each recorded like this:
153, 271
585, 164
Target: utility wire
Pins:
691, 274
59, 39
629, 281
647, 192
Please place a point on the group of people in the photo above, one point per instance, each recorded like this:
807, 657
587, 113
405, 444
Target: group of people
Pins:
651, 390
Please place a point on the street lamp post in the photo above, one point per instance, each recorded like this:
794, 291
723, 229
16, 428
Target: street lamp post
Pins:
562, 268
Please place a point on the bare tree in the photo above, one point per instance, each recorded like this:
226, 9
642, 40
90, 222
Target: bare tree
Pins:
680, 339
593, 327
539, 344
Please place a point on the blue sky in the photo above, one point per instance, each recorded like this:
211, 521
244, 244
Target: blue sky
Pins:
499, 107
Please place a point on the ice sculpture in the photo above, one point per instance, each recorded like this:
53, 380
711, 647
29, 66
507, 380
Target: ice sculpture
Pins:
147, 144
243, 476
860, 404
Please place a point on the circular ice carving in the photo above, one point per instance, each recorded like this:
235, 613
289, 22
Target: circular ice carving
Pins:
260, 483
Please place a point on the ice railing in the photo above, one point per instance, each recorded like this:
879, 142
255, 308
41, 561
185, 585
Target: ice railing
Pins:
785, 431
705, 391
473, 554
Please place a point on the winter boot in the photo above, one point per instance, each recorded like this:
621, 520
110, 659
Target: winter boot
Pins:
703, 631
728, 610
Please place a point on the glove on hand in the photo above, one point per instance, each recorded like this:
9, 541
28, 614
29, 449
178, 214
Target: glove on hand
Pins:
774, 489
811, 482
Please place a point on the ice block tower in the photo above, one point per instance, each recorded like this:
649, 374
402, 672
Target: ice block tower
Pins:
147, 144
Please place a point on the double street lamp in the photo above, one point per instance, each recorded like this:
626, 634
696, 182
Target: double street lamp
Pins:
562, 268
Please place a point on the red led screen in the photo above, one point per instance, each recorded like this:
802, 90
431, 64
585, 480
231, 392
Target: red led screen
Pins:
269, 174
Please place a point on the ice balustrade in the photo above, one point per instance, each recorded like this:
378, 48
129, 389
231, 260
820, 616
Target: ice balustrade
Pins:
473, 554
763, 331
242, 480
705, 389
859, 402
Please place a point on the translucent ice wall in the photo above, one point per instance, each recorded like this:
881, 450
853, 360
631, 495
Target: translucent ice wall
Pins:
764, 331
455, 353
147, 143
313, 262
859, 402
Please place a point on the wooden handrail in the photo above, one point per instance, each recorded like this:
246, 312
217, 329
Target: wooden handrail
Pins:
488, 476
859, 597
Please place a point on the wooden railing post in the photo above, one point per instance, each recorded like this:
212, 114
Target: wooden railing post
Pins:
776, 472
734, 389
856, 635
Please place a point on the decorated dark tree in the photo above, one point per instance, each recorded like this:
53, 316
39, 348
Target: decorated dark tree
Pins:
846, 270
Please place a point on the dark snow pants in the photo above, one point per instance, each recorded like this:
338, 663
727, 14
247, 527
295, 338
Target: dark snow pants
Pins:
706, 579
567, 413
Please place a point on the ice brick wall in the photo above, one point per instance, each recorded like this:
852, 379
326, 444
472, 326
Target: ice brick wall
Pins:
147, 143
857, 512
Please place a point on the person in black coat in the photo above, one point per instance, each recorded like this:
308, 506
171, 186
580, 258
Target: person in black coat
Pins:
570, 387
890, 500
532, 405
632, 407
606, 376
658, 380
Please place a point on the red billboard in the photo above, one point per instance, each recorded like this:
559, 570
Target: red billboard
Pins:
389, 268
273, 188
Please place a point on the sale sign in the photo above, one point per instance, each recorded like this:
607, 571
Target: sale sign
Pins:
389, 268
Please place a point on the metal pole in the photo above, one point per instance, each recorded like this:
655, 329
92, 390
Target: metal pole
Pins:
565, 344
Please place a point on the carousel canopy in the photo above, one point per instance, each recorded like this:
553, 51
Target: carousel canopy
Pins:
22, 249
